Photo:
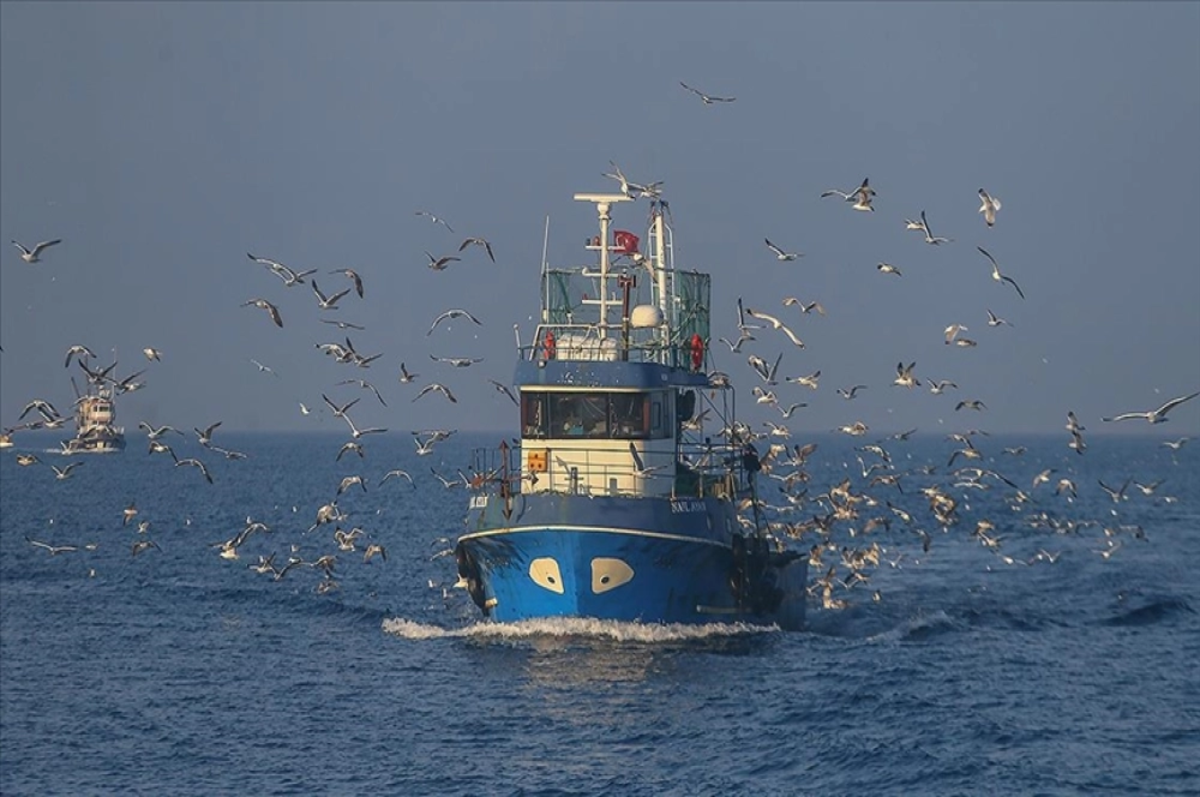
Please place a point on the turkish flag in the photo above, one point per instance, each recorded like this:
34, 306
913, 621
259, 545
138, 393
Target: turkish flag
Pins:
626, 242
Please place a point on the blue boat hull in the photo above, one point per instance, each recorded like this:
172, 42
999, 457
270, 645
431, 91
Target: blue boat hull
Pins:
680, 569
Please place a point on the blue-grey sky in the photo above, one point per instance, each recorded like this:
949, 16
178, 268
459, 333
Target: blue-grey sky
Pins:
163, 141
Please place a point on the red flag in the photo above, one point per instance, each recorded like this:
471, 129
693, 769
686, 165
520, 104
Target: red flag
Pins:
626, 242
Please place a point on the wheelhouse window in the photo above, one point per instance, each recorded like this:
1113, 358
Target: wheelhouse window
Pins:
595, 415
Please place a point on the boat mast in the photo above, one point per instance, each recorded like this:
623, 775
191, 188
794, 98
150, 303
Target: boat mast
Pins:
603, 202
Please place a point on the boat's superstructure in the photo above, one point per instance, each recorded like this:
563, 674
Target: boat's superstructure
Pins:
95, 424
622, 500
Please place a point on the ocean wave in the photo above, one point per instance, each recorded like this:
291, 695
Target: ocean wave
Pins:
1151, 613
562, 627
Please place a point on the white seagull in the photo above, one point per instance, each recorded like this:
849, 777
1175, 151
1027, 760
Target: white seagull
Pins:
781, 255
31, 255
989, 207
1154, 416
997, 276
450, 314
434, 219
706, 98
861, 196
930, 238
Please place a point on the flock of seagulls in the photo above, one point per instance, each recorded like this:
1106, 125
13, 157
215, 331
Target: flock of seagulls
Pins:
166, 439
795, 512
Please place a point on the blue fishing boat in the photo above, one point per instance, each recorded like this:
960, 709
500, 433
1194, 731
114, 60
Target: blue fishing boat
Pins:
632, 493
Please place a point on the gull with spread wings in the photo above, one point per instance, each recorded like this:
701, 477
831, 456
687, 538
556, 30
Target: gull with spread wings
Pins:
708, 99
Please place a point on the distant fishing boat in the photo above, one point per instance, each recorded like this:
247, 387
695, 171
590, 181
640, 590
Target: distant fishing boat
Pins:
621, 501
95, 429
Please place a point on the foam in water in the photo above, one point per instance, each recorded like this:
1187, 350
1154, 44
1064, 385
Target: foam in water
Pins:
575, 627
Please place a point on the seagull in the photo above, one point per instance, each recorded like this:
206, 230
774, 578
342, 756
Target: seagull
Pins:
338, 412
887, 268
781, 255
365, 385
457, 362
350, 445
760, 366
434, 219
909, 224
154, 434
53, 549
971, 404
639, 468
328, 302
996, 275
353, 276
439, 388
196, 464
263, 304
904, 376
152, 354
82, 351
373, 549
64, 473
304, 410
804, 308
349, 482
263, 369
936, 388
776, 324
144, 545
930, 238
707, 99
405, 377
736, 348
989, 207
1175, 445
851, 393
356, 433
398, 474
341, 324
502, 388
861, 196
290, 278
205, 437
451, 314
1154, 416
478, 242
440, 263
1116, 495
995, 320
31, 255
809, 381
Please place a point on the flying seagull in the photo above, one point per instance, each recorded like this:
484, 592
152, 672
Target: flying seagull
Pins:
989, 207
263, 304
478, 242
861, 196
930, 238
352, 275
449, 314
781, 255
997, 276
439, 388
440, 263
434, 219
31, 255
708, 99
1154, 416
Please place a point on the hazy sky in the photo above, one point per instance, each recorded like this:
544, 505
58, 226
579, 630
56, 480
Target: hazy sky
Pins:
163, 141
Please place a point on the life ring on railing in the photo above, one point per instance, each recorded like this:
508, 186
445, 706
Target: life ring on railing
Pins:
549, 347
697, 352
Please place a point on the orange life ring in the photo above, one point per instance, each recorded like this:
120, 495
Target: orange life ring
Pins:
550, 347
697, 352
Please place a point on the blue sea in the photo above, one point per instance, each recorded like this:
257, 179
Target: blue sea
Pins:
951, 671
